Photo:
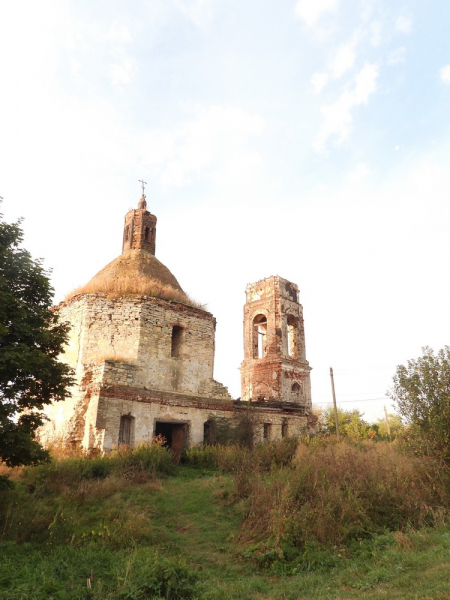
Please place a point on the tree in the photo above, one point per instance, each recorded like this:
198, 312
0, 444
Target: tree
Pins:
395, 425
351, 424
31, 338
421, 392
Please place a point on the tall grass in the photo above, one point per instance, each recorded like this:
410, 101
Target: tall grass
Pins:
332, 493
138, 285
79, 500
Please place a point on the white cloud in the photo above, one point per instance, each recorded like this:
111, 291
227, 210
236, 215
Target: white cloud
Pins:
358, 174
343, 60
375, 33
311, 10
319, 81
198, 11
119, 33
337, 116
122, 73
403, 24
214, 143
445, 74
396, 57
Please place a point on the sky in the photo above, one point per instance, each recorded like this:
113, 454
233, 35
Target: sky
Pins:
302, 138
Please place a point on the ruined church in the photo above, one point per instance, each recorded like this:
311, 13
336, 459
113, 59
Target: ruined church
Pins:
143, 356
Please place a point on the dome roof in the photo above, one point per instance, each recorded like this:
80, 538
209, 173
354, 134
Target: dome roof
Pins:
136, 272
137, 264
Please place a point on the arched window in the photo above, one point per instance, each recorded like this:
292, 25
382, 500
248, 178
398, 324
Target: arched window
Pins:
296, 388
146, 233
177, 341
125, 430
259, 336
292, 337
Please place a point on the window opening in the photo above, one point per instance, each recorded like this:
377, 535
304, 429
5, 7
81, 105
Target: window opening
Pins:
292, 337
267, 428
284, 429
177, 338
147, 233
296, 388
259, 336
125, 430
207, 432
127, 233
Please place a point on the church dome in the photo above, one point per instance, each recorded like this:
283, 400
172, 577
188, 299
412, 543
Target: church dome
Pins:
138, 266
137, 272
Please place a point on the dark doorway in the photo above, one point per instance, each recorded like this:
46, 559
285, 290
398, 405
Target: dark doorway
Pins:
125, 430
175, 434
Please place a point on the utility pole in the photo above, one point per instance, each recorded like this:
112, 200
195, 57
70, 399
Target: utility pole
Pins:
387, 424
335, 406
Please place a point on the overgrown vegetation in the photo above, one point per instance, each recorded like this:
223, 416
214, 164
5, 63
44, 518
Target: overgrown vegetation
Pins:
421, 391
136, 285
284, 520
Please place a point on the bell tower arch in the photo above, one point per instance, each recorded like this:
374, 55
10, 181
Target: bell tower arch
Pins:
275, 365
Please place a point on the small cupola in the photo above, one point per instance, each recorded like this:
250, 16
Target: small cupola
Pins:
140, 229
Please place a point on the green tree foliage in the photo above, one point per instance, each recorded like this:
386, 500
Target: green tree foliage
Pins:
351, 424
395, 424
421, 392
31, 338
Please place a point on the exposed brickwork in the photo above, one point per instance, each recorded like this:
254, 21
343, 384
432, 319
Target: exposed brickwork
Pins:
149, 362
275, 364
139, 232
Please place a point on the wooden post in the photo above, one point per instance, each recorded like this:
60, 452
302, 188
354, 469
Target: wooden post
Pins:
335, 406
387, 424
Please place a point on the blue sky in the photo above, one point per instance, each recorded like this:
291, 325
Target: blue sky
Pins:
308, 139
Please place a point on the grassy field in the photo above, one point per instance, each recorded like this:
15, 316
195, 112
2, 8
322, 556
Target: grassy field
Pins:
177, 532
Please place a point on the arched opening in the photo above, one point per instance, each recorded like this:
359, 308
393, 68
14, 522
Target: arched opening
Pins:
292, 337
177, 341
284, 429
127, 233
259, 336
147, 233
296, 388
125, 430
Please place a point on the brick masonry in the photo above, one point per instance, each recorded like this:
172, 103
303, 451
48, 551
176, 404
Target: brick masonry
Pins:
275, 365
151, 360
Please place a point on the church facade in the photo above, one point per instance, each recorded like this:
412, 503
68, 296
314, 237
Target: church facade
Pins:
143, 357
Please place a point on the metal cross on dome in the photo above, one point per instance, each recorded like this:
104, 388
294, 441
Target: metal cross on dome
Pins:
144, 183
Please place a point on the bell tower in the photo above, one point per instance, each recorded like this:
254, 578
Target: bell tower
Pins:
275, 365
139, 231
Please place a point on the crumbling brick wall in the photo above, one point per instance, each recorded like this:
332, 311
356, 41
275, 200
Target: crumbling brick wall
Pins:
275, 364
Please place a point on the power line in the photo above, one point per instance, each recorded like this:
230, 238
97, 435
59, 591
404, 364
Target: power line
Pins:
354, 401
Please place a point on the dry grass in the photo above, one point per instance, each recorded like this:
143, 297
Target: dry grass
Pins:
134, 286
333, 493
